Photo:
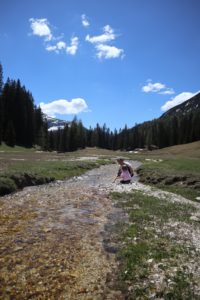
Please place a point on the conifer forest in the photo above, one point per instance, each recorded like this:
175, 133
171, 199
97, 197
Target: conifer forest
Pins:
23, 123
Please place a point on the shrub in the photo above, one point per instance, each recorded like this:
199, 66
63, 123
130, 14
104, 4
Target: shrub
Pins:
7, 186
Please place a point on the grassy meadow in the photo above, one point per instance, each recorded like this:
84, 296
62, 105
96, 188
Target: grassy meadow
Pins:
165, 168
175, 169
20, 167
156, 260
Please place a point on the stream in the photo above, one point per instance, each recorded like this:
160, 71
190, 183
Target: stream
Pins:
55, 239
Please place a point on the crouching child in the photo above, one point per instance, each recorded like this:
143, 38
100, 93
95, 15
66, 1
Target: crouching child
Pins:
124, 175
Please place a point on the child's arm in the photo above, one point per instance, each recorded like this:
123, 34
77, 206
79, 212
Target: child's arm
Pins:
117, 177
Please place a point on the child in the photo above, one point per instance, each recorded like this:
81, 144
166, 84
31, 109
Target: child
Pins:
125, 175
121, 162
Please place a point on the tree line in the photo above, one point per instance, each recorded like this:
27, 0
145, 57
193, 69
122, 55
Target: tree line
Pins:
22, 123
162, 132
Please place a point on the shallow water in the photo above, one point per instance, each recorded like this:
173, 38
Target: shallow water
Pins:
59, 241
54, 239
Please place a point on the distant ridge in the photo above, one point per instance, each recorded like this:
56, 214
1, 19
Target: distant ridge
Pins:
192, 104
54, 123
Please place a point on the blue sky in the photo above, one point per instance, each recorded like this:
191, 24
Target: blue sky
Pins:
110, 61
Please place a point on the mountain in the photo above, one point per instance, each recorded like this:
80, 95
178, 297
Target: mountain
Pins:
191, 105
54, 123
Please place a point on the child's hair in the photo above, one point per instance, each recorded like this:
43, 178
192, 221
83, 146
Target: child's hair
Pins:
120, 160
124, 168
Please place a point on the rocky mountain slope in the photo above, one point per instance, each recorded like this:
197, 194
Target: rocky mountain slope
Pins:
193, 104
54, 123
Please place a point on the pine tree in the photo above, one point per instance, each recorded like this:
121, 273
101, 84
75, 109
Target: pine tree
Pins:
10, 135
81, 136
1, 119
89, 137
51, 141
43, 138
195, 127
38, 124
1, 104
115, 140
95, 137
149, 138
1, 78
73, 142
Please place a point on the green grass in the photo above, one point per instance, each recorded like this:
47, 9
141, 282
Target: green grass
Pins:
186, 192
180, 160
151, 207
43, 171
43, 166
174, 166
57, 169
7, 149
145, 243
159, 172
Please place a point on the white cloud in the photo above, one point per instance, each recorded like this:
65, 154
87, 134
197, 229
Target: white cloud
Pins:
100, 42
180, 98
153, 87
64, 107
106, 51
157, 87
168, 91
56, 48
72, 49
73, 46
107, 36
85, 21
52, 48
40, 27
61, 45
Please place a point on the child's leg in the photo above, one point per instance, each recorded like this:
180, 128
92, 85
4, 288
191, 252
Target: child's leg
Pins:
125, 182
